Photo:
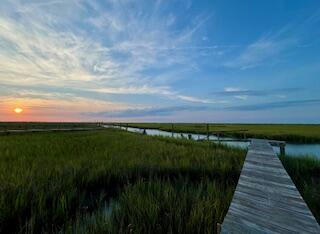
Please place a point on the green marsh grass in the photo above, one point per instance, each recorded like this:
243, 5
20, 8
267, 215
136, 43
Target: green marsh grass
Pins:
114, 181
295, 133
51, 180
305, 173
44, 125
164, 207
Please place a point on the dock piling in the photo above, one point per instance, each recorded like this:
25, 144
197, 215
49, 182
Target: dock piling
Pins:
282, 149
171, 130
218, 228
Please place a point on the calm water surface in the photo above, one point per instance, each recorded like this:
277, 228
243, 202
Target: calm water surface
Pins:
291, 149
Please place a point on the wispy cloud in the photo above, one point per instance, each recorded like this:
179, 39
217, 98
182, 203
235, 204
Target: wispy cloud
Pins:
137, 57
275, 105
263, 50
245, 93
170, 110
53, 46
199, 100
146, 112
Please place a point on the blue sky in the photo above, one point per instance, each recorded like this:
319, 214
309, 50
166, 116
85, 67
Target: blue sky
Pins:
167, 61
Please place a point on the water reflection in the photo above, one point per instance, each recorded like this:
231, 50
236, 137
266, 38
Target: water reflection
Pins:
291, 149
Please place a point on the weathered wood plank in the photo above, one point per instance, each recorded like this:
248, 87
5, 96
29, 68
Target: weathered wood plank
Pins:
266, 200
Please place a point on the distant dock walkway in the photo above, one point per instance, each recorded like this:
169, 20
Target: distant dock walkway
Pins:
265, 199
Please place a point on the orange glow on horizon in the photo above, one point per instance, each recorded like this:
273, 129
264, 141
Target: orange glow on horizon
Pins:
18, 110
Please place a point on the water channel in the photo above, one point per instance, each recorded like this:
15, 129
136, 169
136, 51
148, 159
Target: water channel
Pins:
291, 149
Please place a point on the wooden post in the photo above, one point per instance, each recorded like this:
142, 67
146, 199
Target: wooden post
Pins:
189, 136
144, 132
218, 228
208, 132
172, 130
127, 127
282, 149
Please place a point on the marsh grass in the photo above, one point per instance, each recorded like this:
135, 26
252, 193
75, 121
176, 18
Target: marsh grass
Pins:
50, 181
305, 173
163, 207
295, 133
119, 182
44, 125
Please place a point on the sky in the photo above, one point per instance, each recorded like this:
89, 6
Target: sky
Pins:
160, 60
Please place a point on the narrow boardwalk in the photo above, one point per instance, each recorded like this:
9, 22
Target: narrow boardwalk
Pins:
266, 200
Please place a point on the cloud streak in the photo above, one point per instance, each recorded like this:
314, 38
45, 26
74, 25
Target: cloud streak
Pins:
275, 105
167, 111
143, 58
255, 93
146, 112
52, 49
268, 47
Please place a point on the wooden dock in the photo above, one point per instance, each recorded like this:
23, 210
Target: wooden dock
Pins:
266, 200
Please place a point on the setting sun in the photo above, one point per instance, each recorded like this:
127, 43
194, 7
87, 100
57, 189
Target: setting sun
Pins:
18, 110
